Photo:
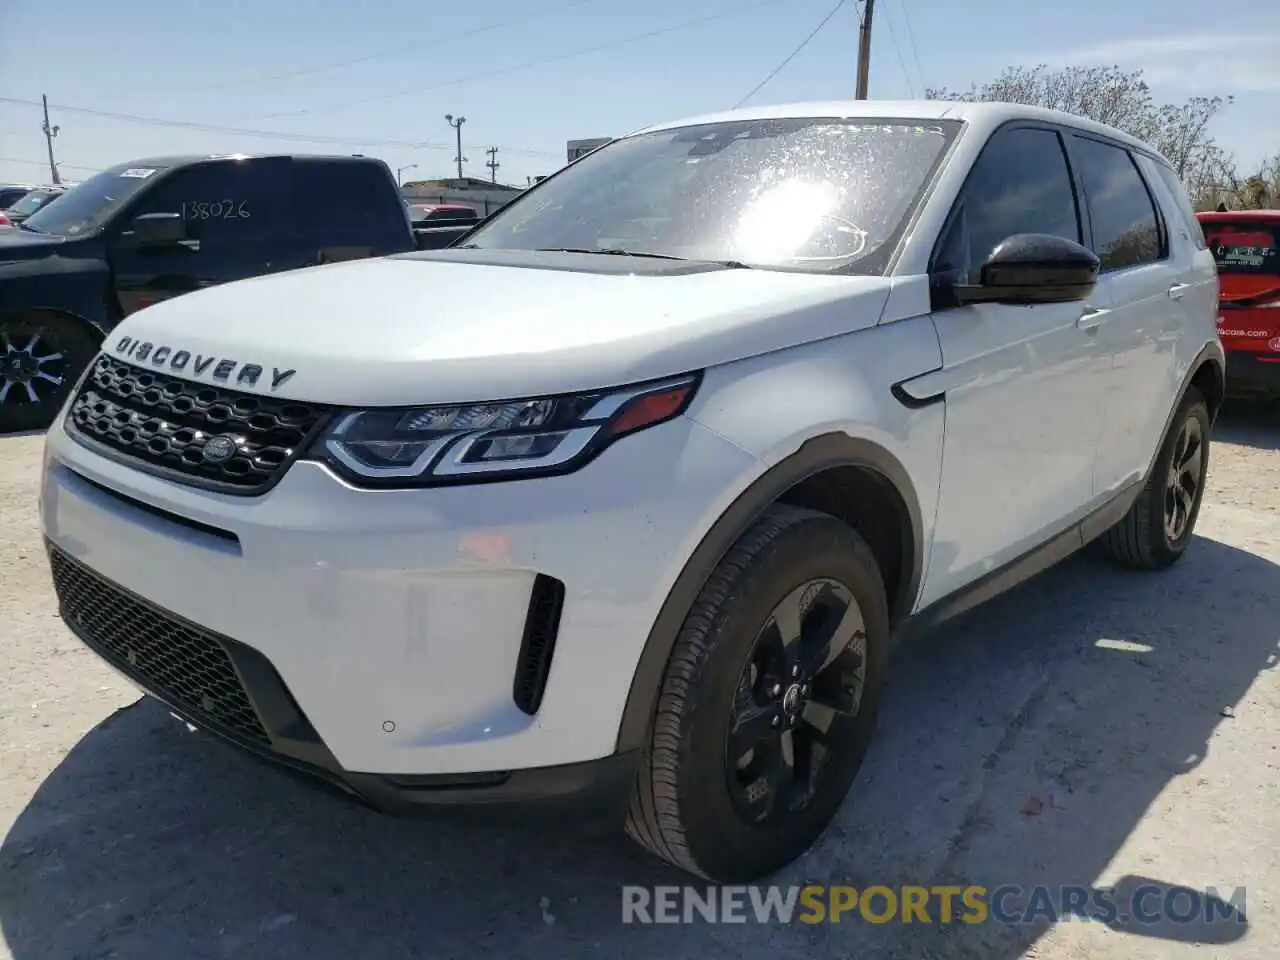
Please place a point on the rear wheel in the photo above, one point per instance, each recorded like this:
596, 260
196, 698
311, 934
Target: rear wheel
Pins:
41, 357
768, 703
1158, 527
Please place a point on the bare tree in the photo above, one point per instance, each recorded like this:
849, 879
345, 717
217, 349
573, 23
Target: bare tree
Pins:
1122, 99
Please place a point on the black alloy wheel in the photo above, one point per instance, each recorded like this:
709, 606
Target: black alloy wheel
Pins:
1184, 479
806, 673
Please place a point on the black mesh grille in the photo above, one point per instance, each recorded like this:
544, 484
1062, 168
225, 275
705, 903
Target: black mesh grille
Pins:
181, 663
163, 422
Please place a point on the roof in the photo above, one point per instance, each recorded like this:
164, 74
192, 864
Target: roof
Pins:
984, 115
182, 159
1235, 216
466, 183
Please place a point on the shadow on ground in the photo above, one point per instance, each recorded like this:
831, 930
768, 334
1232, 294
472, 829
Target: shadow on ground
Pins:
1250, 423
151, 844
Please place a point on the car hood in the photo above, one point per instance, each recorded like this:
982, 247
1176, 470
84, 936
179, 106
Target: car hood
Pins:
17, 244
419, 330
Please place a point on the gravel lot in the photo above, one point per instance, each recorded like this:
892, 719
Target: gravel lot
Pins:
1015, 748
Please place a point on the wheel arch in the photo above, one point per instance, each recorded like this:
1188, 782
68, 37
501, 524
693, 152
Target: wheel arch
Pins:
835, 473
97, 329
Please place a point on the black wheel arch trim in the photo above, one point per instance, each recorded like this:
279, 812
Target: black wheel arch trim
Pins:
815, 455
1210, 353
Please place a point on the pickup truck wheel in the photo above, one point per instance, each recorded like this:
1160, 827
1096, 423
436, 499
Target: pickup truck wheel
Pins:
1158, 527
768, 703
41, 358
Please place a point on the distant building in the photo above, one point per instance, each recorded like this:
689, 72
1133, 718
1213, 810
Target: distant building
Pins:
483, 196
580, 148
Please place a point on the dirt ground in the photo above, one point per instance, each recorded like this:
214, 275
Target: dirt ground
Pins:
1094, 727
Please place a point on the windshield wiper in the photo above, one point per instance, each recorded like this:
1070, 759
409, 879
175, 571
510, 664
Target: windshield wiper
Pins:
616, 252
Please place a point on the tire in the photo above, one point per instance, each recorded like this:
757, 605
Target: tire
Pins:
66, 345
1146, 539
690, 805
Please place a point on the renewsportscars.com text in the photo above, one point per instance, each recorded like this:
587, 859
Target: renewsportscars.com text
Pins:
938, 904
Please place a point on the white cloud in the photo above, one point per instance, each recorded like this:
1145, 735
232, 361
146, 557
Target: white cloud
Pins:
1234, 63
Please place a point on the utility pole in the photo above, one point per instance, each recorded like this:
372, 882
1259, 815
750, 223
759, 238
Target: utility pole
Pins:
493, 163
49, 133
457, 123
400, 170
864, 49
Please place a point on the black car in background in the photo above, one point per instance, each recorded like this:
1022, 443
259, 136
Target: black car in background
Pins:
151, 229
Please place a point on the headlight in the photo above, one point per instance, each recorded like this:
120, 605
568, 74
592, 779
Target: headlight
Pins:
494, 441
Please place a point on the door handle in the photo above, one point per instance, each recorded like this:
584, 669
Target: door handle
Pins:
1090, 319
1177, 290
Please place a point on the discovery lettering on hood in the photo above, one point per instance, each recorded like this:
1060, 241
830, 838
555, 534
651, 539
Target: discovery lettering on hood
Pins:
164, 355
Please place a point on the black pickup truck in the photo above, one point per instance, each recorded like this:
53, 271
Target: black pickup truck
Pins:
152, 229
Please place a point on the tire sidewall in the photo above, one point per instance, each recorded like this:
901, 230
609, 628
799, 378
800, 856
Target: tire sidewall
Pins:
1192, 407
721, 841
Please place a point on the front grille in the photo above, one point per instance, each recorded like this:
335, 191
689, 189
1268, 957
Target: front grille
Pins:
180, 662
162, 423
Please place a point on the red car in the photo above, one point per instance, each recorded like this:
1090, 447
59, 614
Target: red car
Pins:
1246, 244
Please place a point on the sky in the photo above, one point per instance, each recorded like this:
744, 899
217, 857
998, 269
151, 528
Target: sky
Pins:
379, 76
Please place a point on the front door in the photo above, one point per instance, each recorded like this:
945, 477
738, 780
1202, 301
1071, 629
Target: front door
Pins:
233, 210
1024, 386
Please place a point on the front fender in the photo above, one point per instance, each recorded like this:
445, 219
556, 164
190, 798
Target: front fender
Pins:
74, 283
800, 412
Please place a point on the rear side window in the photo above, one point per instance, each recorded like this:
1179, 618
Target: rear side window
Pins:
1126, 228
1020, 184
1245, 247
359, 196
1185, 210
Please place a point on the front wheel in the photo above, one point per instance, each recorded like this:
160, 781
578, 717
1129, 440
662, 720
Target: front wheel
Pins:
768, 703
41, 358
1157, 530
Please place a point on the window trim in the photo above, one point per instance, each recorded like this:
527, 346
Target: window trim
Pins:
939, 303
1194, 227
1162, 226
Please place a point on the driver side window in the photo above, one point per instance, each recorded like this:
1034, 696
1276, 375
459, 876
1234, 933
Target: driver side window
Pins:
1021, 183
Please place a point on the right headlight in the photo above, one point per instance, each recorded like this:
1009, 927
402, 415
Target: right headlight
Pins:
500, 440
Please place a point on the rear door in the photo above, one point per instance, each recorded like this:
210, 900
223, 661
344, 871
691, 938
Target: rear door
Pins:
1142, 275
233, 210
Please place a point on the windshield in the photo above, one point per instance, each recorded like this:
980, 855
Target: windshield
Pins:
32, 202
826, 195
91, 204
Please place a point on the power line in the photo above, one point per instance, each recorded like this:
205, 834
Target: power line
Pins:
415, 46
541, 61
897, 47
268, 134
45, 163
915, 52
792, 55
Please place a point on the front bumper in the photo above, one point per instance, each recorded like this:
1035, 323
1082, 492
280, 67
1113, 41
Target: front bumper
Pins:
379, 635
255, 711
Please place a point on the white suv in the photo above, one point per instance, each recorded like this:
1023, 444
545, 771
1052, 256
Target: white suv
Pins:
617, 507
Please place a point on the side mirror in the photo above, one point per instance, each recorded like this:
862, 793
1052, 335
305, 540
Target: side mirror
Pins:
157, 229
1033, 268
